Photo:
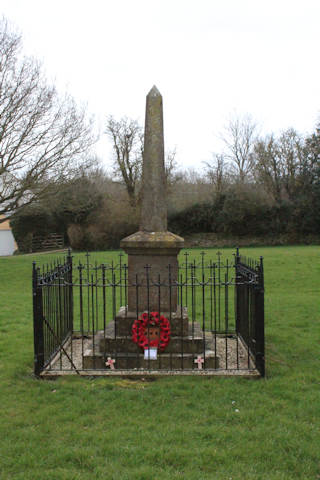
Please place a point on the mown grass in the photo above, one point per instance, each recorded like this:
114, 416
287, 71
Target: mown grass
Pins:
172, 428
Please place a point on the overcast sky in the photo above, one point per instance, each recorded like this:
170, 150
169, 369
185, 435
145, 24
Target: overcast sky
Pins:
208, 58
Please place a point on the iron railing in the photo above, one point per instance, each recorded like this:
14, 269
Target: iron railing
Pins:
82, 323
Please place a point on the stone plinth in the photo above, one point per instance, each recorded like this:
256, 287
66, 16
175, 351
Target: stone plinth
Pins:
165, 361
190, 342
152, 256
181, 352
178, 322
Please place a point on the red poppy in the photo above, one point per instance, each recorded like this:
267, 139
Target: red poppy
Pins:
151, 331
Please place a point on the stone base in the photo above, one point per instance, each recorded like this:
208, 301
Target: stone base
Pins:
187, 341
152, 243
191, 343
180, 353
231, 359
165, 361
178, 322
152, 270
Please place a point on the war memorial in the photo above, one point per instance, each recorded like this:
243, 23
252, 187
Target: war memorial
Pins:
159, 310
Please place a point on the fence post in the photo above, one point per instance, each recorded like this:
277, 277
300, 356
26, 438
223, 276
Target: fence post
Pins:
70, 291
259, 314
37, 323
238, 300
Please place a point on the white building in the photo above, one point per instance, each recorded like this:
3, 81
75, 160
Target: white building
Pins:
7, 242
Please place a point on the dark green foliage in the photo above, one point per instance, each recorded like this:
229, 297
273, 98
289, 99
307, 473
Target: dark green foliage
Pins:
72, 204
197, 218
33, 219
201, 217
306, 212
242, 214
282, 196
76, 201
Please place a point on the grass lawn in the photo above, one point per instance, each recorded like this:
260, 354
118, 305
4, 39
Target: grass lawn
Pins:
171, 428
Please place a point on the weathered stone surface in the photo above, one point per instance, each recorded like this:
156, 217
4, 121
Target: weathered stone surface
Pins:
178, 321
153, 247
165, 361
124, 321
159, 251
149, 296
93, 360
192, 343
180, 353
231, 352
152, 276
152, 243
154, 201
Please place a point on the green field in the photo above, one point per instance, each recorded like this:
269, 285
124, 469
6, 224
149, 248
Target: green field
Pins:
171, 428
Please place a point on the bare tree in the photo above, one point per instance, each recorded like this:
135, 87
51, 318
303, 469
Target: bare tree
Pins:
173, 174
239, 137
312, 155
218, 173
268, 169
44, 139
127, 140
280, 164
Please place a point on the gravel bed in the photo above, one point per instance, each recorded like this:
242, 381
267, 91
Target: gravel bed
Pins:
233, 356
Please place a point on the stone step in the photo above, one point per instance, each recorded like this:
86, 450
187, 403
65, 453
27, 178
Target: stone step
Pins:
165, 361
193, 343
178, 321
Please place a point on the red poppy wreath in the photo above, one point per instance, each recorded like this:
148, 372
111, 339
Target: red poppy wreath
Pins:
151, 330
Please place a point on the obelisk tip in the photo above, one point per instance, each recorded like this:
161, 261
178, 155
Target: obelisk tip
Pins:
154, 92
153, 214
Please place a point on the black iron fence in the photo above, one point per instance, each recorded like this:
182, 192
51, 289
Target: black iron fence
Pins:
52, 310
82, 323
250, 308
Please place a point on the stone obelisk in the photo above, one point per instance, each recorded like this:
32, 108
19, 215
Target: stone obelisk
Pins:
152, 251
154, 202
